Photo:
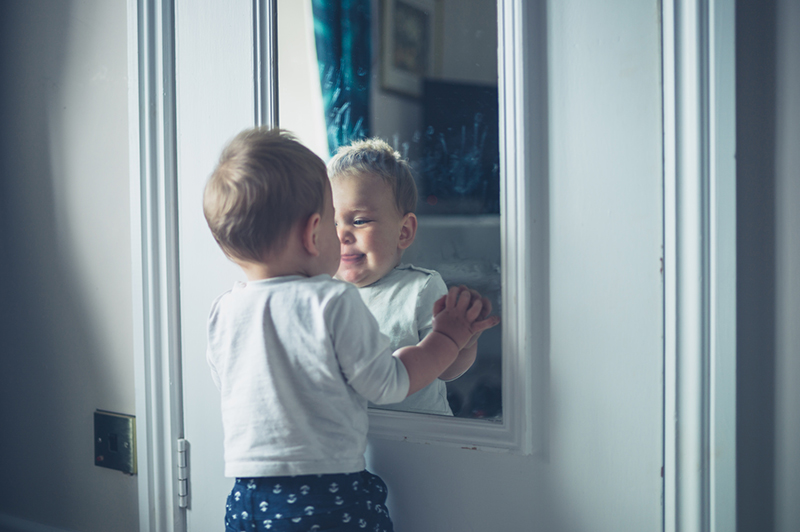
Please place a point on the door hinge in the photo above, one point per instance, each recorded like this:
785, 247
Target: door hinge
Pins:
183, 473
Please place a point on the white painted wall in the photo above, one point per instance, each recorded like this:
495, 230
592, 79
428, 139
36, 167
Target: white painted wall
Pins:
65, 323
468, 41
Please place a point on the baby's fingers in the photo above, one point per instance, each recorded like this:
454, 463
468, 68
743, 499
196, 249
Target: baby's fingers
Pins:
464, 300
488, 323
452, 297
487, 308
474, 310
474, 294
439, 305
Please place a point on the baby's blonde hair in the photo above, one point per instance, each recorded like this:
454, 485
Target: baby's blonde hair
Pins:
375, 157
265, 181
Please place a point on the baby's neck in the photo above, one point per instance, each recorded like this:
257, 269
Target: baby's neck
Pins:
288, 261
257, 271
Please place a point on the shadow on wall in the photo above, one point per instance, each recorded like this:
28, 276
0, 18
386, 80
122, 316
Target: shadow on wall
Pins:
755, 155
53, 368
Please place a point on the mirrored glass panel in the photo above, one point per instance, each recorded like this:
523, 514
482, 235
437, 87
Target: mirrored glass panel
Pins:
421, 75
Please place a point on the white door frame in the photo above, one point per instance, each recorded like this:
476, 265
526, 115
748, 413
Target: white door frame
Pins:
699, 255
699, 265
154, 232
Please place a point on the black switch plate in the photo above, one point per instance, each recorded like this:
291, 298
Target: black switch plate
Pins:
115, 441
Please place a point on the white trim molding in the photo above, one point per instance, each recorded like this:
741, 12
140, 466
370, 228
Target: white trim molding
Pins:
151, 70
265, 61
699, 266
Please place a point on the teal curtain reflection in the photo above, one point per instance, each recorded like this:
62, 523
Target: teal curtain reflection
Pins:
342, 34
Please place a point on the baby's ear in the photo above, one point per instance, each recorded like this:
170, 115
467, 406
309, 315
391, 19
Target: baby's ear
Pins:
408, 230
310, 234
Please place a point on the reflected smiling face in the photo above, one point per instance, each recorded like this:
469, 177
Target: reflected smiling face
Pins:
372, 232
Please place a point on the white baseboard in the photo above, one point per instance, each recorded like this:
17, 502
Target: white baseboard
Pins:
15, 524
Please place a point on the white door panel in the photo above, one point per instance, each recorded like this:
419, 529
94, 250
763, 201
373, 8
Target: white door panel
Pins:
600, 469
214, 70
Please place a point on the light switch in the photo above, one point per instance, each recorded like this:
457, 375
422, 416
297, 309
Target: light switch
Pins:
115, 441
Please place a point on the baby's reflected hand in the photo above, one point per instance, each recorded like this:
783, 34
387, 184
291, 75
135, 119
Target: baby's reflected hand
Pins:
485, 311
462, 314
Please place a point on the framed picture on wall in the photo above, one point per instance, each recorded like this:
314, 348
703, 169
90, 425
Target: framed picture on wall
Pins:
409, 35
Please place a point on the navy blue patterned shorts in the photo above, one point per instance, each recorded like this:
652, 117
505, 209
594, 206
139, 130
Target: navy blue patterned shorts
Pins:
338, 502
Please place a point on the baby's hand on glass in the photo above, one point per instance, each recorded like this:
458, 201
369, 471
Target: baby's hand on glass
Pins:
485, 311
461, 315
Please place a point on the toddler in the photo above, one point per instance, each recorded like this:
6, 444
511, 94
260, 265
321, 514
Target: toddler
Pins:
375, 197
297, 355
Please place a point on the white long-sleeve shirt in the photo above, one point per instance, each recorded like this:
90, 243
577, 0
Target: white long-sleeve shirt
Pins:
296, 360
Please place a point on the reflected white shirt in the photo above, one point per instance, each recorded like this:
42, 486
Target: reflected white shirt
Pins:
402, 301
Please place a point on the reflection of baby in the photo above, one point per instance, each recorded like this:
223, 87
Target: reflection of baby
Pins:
374, 196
